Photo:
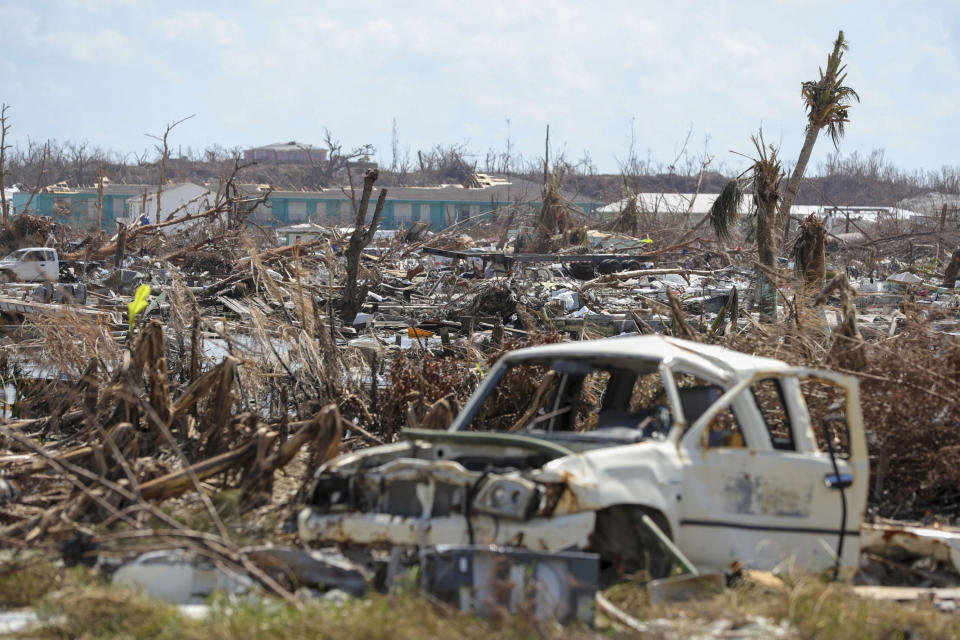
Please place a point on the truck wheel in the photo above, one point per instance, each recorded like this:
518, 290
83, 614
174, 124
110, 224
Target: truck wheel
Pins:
626, 547
5, 277
608, 266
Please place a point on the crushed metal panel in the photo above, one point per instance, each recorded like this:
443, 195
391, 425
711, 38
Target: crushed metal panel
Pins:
380, 529
558, 586
942, 545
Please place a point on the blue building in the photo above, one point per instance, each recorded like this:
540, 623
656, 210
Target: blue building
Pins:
440, 207
78, 208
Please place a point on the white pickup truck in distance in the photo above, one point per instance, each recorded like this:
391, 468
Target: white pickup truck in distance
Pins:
34, 264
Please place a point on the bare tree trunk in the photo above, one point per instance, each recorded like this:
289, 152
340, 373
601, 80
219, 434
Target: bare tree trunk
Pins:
953, 271
121, 245
39, 185
165, 152
353, 292
99, 198
4, 128
163, 175
793, 185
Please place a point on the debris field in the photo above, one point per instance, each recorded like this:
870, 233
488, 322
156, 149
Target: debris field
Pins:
179, 385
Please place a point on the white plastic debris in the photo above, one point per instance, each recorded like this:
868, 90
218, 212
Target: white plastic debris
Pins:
179, 577
570, 299
905, 277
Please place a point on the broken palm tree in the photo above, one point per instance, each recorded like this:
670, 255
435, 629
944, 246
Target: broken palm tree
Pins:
809, 261
629, 219
827, 101
763, 178
848, 348
953, 271
553, 218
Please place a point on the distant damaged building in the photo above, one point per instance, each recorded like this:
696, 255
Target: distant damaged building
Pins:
442, 206
480, 197
292, 152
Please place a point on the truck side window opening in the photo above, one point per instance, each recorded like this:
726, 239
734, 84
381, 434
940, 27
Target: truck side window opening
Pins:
592, 391
724, 431
32, 256
825, 399
525, 392
697, 396
768, 395
575, 397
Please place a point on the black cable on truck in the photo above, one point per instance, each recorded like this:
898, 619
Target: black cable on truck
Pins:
843, 494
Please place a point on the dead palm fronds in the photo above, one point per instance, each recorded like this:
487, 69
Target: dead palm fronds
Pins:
629, 219
763, 179
848, 348
809, 261
953, 270
553, 218
767, 173
725, 210
681, 328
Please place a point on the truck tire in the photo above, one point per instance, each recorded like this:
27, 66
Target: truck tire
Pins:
5, 277
626, 547
608, 266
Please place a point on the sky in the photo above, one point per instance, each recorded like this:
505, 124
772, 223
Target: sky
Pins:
600, 74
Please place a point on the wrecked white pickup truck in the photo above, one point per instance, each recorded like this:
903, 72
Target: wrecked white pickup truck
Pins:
30, 265
736, 458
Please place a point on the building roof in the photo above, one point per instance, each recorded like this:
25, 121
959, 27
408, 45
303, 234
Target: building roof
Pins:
189, 189
701, 203
671, 203
304, 227
292, 145
500, 189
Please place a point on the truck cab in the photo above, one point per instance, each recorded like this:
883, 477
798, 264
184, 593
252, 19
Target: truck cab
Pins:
33, 264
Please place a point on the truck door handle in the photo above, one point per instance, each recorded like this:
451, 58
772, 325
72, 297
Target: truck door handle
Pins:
833, 481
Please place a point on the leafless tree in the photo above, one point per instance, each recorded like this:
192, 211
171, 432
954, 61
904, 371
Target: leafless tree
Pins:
100, 197
39, 183
164, 154
338, 157
354, 292
4, 129
447, 164
77, 159
394, 147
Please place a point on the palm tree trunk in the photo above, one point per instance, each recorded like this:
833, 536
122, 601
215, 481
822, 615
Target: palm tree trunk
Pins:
766, 238
767, 255
793, 185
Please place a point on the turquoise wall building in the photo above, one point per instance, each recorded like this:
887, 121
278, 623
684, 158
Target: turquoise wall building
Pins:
440, 207
78, 209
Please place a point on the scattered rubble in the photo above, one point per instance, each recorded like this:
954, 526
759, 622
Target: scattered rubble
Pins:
252, 365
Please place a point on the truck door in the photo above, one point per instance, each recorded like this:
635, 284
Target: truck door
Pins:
49, 267
30, 266
756, 487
